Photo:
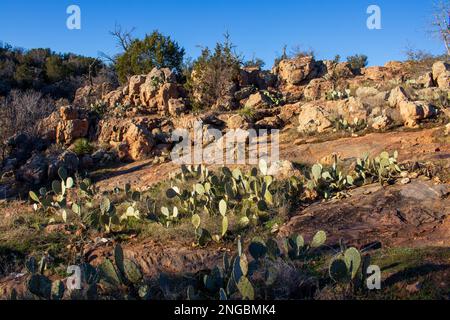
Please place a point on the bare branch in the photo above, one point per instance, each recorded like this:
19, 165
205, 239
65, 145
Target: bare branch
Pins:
124, 38
440, 24
106, 57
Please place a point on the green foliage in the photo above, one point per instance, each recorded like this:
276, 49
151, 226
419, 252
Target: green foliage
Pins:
357, 62
87, 209
337, 95
123, 277
82, 146
155, 50
348, 268
41, 287
55, 69
213, 75
276, 99
238, 276
333, 182
247, 112
254, 63
329, 182
252, 195
46, 71
123, 272
383, 169
99, 108
357, 125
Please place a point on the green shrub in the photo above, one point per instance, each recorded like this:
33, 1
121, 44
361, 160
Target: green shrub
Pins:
357, 62
213, 75
155, 50
82, 146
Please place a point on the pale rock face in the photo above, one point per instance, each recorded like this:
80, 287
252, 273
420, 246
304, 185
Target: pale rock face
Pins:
47, 126
135, 83
114, 97
258, 101
289, 112
342, 70
413, 111
140, 142
426, 80
317, 89
441, 74
148, 91
89, 94
447, 129
132, 137
397, 96
166, 92
313, 118
283, 169
70, 130
364, 92
236, 121
380, 122
294, 71
70, 127
351, 109
273, 122
374, 73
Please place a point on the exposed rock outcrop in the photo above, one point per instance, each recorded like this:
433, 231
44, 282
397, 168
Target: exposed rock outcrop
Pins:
71, 126
441, 74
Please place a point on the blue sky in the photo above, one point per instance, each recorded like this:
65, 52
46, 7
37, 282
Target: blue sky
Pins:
257, 27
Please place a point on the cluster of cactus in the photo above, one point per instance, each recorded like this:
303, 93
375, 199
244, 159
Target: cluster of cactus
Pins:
234, 278
383, 168
40, 286
107, 217
251, 194
276, 99
338, 95
55, 199
333, 182
123, 276
226, 281
329, 182
297, 248
82, 205
349, 267
353, 126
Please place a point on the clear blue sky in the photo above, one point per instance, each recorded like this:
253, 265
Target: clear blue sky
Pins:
257, 27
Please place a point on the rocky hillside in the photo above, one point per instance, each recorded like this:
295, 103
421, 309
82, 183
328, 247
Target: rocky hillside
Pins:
364, 168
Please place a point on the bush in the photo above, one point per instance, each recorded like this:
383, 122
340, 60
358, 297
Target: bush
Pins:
214, 75
255, 63
357, 62
298, 52
45, 71
82, 146
21, 111
155, 50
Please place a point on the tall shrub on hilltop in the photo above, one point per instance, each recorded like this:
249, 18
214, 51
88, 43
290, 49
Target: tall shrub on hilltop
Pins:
214, 75
357, 62
141, 56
